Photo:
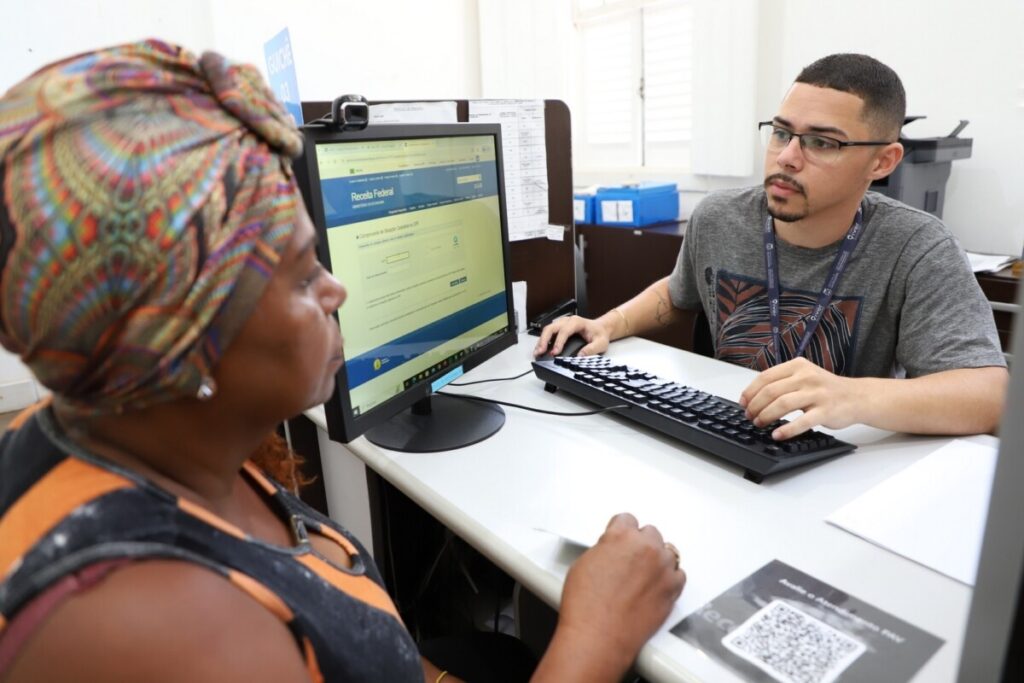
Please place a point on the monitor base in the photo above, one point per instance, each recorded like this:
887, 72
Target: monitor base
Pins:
438, 423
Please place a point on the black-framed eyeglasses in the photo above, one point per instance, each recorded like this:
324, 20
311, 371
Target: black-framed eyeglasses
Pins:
817, 147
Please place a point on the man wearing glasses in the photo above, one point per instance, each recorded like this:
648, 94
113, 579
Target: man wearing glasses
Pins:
855, 307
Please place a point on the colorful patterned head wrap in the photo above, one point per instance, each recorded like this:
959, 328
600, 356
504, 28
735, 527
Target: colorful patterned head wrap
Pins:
146, 199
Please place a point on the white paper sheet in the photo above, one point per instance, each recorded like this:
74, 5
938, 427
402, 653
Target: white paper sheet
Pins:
526, 163
581, 535
988, 263
519, 304
414, 112
933, 512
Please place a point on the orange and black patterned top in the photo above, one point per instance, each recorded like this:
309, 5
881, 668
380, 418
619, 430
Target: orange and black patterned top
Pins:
69, 514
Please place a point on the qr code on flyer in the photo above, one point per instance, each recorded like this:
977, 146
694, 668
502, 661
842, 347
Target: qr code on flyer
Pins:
791, 646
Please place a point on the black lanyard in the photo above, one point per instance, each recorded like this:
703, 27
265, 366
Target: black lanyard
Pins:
771, 263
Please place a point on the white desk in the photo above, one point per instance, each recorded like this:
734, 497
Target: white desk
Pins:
544, 471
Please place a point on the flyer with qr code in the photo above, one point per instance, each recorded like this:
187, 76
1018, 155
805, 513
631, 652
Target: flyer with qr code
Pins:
779, 624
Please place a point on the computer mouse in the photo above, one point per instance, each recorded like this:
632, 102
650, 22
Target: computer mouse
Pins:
573, 344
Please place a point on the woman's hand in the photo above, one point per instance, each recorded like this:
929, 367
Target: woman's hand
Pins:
615, 597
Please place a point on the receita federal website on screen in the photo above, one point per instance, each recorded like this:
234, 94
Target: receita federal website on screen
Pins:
414, 232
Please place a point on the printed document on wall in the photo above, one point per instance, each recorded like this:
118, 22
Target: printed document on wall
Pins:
525, 161
414, 112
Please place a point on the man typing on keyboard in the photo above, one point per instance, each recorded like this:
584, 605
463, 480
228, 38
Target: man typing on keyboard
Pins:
854, 307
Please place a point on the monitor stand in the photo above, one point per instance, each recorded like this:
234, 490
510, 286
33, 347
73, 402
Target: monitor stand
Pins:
438, 423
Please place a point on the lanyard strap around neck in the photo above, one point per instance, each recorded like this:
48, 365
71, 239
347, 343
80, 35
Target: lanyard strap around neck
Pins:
771, 262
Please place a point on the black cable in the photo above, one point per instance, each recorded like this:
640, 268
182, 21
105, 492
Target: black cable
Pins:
497, 608
386, 514
496, 379
535, 410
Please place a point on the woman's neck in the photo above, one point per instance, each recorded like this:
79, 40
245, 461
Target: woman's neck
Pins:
182, 448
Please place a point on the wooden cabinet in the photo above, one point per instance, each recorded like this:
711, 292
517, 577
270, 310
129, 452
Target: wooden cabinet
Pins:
1001, 289
620, 262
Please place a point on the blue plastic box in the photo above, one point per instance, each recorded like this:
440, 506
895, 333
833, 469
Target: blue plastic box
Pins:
583, 208
636, 205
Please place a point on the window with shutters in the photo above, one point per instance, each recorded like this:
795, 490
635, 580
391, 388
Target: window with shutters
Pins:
636, 99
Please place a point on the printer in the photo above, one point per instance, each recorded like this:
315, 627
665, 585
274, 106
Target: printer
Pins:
920, 179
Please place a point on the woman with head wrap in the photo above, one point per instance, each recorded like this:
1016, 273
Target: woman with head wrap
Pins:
158, 274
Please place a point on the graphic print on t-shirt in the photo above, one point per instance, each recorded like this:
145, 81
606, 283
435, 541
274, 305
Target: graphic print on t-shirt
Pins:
745, 331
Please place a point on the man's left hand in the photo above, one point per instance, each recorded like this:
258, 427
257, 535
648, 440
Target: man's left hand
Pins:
825, 399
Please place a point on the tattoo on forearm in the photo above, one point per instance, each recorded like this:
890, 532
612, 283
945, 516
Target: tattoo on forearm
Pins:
664, 312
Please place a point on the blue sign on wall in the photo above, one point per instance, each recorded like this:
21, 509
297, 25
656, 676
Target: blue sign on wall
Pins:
281, 69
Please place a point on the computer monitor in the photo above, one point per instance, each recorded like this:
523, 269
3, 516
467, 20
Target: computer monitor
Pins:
994, 641
412, 220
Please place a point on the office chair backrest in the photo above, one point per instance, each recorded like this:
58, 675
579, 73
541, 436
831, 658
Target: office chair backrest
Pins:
702, 343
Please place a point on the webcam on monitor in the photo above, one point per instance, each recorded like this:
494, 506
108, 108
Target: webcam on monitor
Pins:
350, 112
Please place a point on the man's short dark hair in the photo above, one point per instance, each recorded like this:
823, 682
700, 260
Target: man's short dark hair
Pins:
885, 102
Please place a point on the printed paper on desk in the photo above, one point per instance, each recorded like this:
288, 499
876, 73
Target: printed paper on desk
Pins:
933, 512
579, 532
525, 159
780, 624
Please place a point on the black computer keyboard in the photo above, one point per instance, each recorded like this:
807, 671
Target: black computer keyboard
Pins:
694, 417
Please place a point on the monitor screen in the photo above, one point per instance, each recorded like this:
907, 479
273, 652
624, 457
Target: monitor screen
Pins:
411, 219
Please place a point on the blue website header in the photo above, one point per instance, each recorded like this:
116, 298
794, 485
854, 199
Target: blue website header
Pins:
360, 198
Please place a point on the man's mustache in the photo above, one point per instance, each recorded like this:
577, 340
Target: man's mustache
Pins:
792, 182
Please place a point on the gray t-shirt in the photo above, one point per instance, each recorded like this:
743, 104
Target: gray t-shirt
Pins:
907, 301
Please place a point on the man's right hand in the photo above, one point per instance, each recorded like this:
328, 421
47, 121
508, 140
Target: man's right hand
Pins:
552, 337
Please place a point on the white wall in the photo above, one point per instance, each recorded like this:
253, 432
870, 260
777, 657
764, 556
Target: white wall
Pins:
382, 49
385, 49
527, 49
37, 32
41, 31
957, 61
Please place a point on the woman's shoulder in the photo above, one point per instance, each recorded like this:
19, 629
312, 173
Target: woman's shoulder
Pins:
161, 620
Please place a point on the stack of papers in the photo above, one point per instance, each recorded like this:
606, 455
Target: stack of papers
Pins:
988, 263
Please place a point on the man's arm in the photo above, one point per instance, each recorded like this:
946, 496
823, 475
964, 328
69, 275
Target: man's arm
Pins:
650, 309
962, 401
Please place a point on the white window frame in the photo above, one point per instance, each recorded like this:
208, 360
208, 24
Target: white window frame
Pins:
619, 25
722, 138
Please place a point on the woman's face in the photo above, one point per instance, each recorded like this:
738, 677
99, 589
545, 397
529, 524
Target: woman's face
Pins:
285, 358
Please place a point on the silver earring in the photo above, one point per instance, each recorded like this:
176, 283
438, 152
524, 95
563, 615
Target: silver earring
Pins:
207, 388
